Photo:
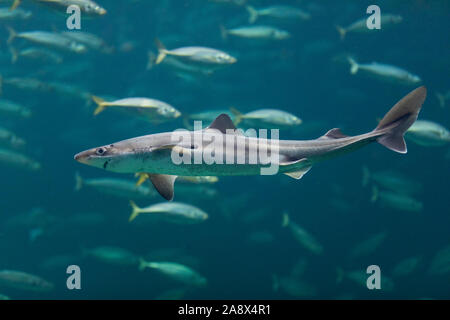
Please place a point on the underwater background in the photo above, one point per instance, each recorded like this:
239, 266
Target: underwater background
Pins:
242, 249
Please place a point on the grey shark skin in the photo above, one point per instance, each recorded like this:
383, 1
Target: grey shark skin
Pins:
153, 153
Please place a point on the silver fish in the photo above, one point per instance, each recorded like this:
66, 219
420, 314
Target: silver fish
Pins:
256, 32
176, 271
172, 211
49, 39
360, 26
277, 11
24, 281
7, 15
428, 134
302, 236
385, 72
117, 187
88, 7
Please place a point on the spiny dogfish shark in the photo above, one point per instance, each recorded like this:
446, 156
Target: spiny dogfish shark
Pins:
153, 153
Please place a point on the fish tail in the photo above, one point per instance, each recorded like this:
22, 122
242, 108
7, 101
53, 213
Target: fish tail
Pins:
275, 283
398, 120
374, 197
136, 211
237, 114
223, 32
151, 61
142, 177
285, 221
15, 4
341, 31
101, 105
354, 66
339, 274
14, 54
253, 14
142, 264
78, 181
12, 35
186, 122
366, 176
162, 51
441, 99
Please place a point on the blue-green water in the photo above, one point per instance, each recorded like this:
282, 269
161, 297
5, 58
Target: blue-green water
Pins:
241, 249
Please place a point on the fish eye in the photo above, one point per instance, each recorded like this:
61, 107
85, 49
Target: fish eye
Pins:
100, 151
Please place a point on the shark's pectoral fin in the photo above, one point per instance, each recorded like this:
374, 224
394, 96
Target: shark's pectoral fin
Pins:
164, 184
298, 174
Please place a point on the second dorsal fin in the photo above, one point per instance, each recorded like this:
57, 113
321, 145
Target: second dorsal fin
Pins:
335, 133
222, 123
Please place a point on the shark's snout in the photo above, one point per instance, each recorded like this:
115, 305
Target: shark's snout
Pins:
82, 157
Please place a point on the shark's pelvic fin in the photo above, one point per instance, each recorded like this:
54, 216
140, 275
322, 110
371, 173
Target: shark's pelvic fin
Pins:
299, 173
164, 184
296, 173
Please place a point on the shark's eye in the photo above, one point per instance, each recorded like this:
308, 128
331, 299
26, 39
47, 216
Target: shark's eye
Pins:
100, 151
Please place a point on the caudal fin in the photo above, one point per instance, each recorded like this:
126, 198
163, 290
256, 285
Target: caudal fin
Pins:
375, 194
136, 211
285, 221
12, 35
354, 66
253, 14
341, 31
223, 32
238, 116
142, 264
14, 54
398, 120
15, 4
101, 105
162, 51
151, 60
142, 177
78, 182
366, 176
441, 99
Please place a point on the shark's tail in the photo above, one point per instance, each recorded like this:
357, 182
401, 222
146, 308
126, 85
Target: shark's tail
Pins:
399, 119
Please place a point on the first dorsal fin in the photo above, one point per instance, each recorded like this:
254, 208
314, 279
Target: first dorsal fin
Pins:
335, 133
222, 123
